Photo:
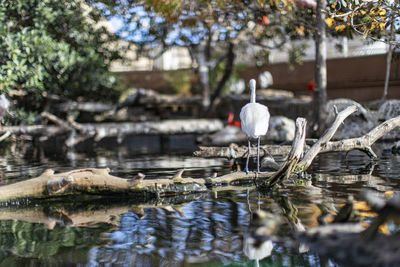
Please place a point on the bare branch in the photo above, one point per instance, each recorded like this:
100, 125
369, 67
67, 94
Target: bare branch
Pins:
364, 142
327, 135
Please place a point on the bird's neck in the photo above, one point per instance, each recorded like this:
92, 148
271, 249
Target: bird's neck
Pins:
253, 96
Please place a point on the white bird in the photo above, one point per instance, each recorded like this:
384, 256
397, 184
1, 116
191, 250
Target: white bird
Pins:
254, 118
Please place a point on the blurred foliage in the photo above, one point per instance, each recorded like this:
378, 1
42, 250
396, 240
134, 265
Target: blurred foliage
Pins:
296, 55
155, 25
54, 47
179, 81
369, 18
19, 116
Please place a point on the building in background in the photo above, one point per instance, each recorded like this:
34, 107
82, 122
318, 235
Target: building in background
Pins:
173, 59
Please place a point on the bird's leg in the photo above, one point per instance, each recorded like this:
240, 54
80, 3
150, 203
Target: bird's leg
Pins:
258, 154
248, 156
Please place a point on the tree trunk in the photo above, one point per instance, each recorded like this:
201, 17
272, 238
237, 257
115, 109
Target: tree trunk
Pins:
320, 96
230, 59
389, 58
199, 55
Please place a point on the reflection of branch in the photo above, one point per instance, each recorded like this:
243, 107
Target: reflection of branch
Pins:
50, 218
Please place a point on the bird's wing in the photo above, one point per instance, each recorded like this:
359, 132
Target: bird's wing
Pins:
261, 117
246, 120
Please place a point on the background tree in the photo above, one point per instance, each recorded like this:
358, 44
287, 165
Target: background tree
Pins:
213, 31
378, 20
320, 76
54, 47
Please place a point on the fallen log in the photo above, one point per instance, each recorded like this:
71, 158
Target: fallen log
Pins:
326, 136
83, 106
96, 182
102, 130
234, 151
141, 97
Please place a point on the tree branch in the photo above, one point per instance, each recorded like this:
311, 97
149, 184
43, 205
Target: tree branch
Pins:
294, 156
230, 58
364, 142
235, 151
327, 135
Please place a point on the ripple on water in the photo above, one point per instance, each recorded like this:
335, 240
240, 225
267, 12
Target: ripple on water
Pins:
211, 230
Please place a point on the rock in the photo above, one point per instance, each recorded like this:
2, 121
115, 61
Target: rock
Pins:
228, 134
237, 87
265, 79
268, 163
390, 109
356, 125
280, 129
396, 148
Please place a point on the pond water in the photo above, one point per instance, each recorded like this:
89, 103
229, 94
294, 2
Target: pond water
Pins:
209, 229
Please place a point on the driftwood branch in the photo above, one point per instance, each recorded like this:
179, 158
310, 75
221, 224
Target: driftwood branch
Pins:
4, 136
323, 144
96, 182
326, 136
294, 156
364, 142
101, 130
235, 151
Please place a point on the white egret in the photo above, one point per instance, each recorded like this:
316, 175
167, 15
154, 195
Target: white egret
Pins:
254, 119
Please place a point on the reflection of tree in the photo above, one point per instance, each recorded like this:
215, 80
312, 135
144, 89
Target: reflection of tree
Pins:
203, 231
206, 231
29, 241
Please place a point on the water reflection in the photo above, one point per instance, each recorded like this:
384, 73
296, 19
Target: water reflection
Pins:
27, 164
168, 234
204, 230
24, 244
